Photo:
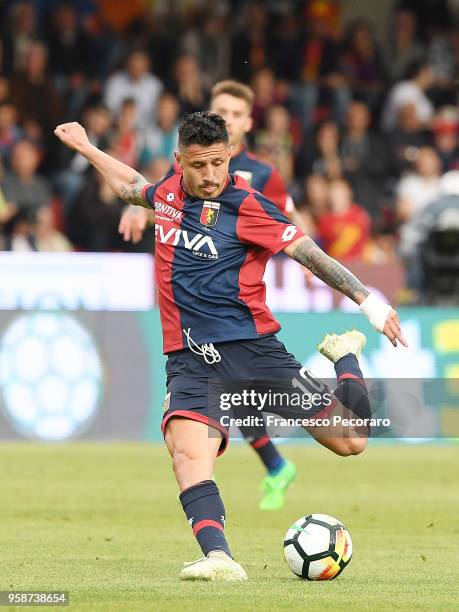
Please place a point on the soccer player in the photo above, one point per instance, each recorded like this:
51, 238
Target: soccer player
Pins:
234, 102
214, 236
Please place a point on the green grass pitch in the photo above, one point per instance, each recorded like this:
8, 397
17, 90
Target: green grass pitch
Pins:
103, 521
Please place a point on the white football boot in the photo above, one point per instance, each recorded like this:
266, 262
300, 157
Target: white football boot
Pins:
216, 567
335, 346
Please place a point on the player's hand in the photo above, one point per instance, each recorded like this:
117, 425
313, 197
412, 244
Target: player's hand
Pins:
73, 135
133, 223
393, 330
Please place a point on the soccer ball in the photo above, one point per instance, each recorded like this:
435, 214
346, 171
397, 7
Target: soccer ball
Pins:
317, 547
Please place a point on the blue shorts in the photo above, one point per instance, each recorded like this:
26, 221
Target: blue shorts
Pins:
190, 380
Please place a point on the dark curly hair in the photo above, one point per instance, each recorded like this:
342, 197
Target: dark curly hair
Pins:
203, 128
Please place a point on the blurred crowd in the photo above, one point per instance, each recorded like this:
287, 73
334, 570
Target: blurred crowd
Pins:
363, 131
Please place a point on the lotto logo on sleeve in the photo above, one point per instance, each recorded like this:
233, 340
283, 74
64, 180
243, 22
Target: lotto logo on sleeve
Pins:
289, 233
209, 213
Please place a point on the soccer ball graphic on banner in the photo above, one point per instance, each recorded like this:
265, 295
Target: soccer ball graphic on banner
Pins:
317, 547
51, 375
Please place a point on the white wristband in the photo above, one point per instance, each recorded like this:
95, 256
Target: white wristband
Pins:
376, 311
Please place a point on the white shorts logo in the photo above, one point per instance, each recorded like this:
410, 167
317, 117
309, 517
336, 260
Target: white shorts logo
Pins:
167, 402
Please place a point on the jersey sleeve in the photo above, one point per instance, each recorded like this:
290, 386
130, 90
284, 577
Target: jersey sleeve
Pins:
275, 190
262, 224
149, 190
148, 194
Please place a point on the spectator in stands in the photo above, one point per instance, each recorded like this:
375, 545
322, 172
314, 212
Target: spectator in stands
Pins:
22, 186
442, 56
419, 79
188, 85
126, 142
18, 231
402, 49
161, 139
138, 83
158, 34
250, 47
362, 65
315, 203
288, 45
19, 34
92, 223
345, 230
47, 237
274, 144
101, 43
291, 64
445, 128
7, 210
10, 132
418, 189
363, 157
324, 156
405, 139
321, 80
156, 169
264, 88
68, 55
5, 89
97, 120
33, 230
33, 93
210, 45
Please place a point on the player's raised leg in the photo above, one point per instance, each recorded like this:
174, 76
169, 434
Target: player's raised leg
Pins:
280, 471
353, 403
193, 453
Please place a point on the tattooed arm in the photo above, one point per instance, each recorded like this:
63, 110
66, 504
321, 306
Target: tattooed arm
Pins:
384, 318
306, 251
125, 181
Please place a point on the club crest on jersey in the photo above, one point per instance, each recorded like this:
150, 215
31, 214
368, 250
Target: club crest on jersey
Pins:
209, 213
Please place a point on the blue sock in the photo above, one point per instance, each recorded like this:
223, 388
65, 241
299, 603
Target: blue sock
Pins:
205, 512
348, 367
351, 390
268, 453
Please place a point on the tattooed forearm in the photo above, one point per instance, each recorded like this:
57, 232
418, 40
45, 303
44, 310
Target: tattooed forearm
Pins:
132, 192
126, 182
329, 270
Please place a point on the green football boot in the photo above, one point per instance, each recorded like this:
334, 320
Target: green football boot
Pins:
275, 487
335, 346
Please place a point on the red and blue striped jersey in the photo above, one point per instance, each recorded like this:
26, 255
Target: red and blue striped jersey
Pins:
210, 258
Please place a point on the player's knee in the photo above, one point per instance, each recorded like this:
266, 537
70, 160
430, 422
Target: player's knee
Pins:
353, 446
190, 468
182, 459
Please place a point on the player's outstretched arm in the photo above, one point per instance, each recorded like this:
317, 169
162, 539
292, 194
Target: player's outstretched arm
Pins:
126, 182
383, 318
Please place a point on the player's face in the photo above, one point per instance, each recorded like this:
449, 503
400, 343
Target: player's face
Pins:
205, 169
236, 113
